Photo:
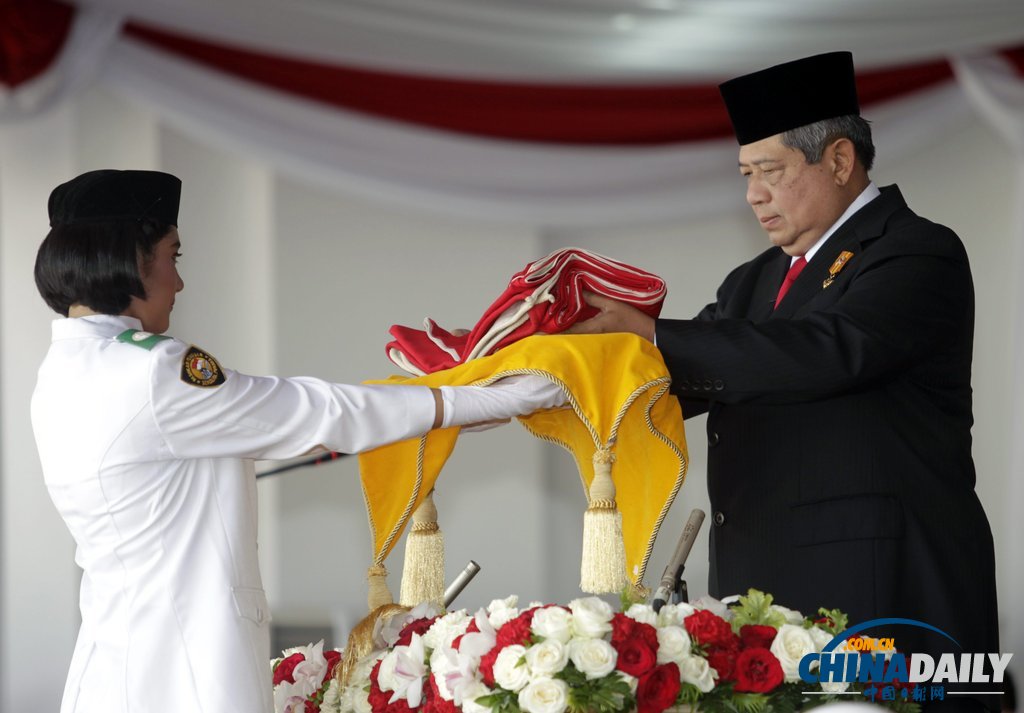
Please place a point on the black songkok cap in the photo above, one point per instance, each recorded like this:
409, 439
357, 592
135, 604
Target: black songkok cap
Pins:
116, 195
788, 96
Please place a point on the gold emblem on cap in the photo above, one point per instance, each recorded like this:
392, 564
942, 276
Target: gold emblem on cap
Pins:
838, 265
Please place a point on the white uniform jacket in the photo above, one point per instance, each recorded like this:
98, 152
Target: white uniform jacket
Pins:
147, 448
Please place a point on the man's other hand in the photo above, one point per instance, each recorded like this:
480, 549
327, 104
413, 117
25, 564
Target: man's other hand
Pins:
614, 316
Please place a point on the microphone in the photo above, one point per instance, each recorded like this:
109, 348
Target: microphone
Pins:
456, 587
674, 570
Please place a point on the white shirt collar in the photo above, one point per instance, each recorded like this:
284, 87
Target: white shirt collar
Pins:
866, 196
93, 325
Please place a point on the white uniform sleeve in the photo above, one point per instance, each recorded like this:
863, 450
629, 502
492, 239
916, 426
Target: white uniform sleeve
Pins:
271, 417
511, 396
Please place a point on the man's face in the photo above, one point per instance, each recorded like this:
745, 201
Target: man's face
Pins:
795, 202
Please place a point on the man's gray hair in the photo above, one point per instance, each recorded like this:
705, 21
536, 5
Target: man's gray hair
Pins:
812, 139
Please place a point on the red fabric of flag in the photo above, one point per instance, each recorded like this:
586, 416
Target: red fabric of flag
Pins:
544, 297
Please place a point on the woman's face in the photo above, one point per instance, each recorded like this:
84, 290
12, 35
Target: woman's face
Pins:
161, 280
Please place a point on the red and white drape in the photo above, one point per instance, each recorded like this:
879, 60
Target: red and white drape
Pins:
553, 113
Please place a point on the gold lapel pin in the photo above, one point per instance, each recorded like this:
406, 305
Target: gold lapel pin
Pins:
843, 258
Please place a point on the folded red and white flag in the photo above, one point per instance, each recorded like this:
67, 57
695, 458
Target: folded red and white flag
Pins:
546, 296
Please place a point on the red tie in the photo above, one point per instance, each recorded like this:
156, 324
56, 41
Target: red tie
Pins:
794, 270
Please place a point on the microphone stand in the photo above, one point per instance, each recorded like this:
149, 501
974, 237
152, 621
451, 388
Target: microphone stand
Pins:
312, 460
679, 592
672, 588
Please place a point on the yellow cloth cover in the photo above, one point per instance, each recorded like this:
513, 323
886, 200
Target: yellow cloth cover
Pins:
617, 386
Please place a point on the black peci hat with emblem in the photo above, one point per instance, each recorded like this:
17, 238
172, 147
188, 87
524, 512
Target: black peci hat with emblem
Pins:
791, 95
116, 195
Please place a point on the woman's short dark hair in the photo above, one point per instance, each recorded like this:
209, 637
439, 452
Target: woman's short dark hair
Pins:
96, 263
812, 139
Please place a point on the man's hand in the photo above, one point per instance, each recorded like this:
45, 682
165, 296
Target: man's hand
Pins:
614, 316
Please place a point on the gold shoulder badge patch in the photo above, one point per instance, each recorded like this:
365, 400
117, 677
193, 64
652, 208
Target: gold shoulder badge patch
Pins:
200, 369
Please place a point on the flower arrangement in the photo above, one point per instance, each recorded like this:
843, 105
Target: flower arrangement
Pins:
304, 679
706, 657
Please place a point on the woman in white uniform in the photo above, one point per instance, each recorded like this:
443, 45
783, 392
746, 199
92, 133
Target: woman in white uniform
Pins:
147, 446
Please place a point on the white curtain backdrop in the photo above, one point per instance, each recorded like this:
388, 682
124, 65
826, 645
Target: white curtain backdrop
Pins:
621, 40
550, 185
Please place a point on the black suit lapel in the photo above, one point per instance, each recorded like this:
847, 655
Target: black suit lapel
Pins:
811, 279
763, 299
863, 226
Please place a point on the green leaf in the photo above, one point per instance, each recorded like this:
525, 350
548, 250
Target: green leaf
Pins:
755, 608
604, 695
835, 620
628, 597
501, 701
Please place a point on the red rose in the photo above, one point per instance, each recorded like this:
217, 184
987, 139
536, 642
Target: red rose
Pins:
658, 690
623, 627
311, 707
285, 670
433, 702
757, 671
419, 626
757, 636
636, 657
708, 628
333, 657
723, 660
487, 665
516, 631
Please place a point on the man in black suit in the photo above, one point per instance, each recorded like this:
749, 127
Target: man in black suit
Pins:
835, 369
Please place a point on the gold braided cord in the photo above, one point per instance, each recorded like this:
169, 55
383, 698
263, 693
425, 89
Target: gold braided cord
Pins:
378, 557
680, 479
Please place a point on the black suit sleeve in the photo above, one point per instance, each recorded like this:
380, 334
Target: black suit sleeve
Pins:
896, 311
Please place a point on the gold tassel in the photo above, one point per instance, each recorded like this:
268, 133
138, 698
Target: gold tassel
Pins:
603, 565
360, 641
423, 573
379, 594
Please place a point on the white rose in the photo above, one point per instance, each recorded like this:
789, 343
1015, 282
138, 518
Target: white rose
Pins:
446, 629
471, 693
642, 613
792, 616
820, 637
545, 695
674, 614
591, 617
791, 644
509, 602
594, 658
510, 671
552, 623
673, 644
696, 670
547, 658
500, 611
